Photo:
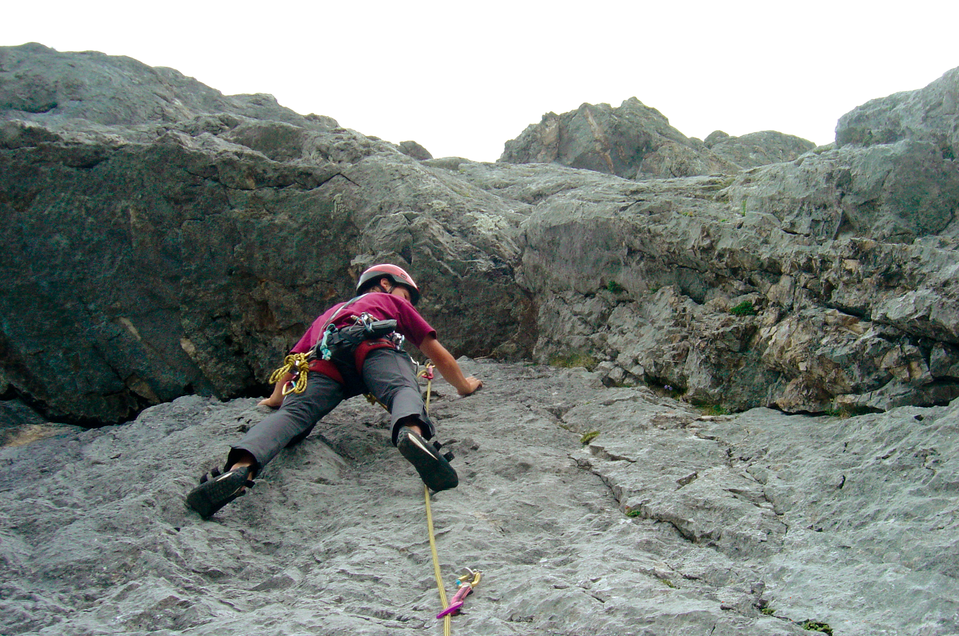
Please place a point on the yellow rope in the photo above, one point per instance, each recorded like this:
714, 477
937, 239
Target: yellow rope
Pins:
297, 365
436, 562
428, 374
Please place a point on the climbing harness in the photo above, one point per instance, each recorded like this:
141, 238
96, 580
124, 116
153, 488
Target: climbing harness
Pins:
345, 341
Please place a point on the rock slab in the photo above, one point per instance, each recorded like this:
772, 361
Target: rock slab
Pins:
665, 521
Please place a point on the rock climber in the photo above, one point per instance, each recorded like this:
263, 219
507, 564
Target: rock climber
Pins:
349, 354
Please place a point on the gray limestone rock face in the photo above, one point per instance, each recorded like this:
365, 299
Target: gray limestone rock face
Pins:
891, 193
673, 282
166, 240
588, 509
192, 251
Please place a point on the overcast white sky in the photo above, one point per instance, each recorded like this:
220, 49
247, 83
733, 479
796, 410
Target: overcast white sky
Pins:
463, 78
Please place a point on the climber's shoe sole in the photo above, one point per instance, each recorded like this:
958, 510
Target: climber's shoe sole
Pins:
434, 469
218, 490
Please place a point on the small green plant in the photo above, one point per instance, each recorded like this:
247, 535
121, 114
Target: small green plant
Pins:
588, 437
712, 409
669, 583
768, 611
573, 359
744, 308
816, 626
615, 287
635, 512
743, 210
847, 411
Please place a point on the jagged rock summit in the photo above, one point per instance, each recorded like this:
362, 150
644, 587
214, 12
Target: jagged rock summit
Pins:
636, 141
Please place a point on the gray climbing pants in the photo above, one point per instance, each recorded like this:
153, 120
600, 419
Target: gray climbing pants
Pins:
388, 374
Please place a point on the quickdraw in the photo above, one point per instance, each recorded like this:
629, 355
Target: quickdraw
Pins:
427, 373
466, 584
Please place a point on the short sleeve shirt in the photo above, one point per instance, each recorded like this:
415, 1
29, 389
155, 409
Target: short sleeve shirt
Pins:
379, 306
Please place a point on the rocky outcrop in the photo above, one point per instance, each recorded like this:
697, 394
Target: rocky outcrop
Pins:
415, 150
680, 283
928, 115
637, 142
84, 90
666, 521
176, 241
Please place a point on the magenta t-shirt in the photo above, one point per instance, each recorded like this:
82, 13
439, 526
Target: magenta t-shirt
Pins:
380, 306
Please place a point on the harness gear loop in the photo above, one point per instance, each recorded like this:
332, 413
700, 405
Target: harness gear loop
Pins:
296, 364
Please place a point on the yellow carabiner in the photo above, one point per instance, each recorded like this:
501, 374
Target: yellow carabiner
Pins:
471, 578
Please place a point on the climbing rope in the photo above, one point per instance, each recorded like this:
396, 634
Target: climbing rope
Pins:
297, 365
447, 622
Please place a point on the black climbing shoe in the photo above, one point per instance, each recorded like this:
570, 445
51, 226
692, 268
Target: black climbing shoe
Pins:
218, 490
434, 469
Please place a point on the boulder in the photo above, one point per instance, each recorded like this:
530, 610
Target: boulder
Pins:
415, 150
